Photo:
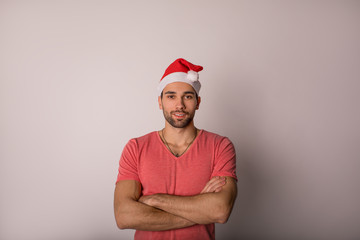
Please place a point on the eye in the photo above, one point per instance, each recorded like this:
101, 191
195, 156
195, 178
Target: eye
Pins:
170, 96
189, 97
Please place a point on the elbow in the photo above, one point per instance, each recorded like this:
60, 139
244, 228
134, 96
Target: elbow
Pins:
121, 221
222, 215
121, 225
223, 218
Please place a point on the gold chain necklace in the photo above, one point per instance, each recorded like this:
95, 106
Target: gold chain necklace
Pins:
167, 145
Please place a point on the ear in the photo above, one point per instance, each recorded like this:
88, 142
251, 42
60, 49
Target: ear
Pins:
198, 103
160, 102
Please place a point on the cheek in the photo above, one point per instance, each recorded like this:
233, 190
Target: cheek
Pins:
193, 105
165, 106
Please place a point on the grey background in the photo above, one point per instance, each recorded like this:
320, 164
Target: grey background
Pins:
281, 79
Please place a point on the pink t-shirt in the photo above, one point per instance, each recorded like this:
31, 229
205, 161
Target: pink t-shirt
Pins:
146, 159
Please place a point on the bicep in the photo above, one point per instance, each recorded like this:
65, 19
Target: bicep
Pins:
229, 191
127, 190
226, 198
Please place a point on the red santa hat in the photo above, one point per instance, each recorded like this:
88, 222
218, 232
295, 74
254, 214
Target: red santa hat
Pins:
181, 71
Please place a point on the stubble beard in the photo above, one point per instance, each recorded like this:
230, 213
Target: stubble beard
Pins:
178, 123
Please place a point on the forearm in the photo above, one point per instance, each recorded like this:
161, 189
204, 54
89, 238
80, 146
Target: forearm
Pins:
201, 209
204, 208
140, 216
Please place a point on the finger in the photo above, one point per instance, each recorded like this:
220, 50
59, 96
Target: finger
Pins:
215, 184
212, 180
209, 183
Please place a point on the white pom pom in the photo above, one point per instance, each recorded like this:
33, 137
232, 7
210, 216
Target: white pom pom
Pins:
192, 76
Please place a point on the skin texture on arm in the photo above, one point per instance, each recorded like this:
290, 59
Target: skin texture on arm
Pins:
133, 214
205, 208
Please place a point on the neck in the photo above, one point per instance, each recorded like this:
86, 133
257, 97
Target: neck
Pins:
179, 136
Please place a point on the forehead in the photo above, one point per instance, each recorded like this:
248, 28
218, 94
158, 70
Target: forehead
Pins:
178, 87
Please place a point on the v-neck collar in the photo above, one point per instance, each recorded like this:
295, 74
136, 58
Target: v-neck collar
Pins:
189, 148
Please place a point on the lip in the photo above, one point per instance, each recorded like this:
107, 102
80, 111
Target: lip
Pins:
179, 115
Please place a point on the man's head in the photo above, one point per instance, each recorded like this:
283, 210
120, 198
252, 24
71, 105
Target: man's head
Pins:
178, 92
179, 102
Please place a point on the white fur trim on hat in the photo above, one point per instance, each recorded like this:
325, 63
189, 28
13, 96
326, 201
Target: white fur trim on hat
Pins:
189, 78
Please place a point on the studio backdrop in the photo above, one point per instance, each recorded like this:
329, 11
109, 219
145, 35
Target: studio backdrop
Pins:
78, 79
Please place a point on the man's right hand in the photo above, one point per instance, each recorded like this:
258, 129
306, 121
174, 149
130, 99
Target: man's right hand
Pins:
214, 185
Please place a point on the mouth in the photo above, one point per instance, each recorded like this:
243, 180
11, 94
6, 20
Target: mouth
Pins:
179, 115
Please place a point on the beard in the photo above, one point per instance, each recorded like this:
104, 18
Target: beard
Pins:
178, 123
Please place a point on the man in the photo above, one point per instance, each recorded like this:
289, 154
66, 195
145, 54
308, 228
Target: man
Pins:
177, 182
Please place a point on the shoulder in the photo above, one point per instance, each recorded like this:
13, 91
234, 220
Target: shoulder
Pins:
135, 145
146, 138
217, 142
143, 140
214, 137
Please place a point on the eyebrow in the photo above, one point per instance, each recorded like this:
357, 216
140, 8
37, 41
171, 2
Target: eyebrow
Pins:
172, 92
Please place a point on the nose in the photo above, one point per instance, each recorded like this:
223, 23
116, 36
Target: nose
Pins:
180, 103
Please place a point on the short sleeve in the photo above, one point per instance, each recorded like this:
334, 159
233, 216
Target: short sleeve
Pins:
128, 164
225, 160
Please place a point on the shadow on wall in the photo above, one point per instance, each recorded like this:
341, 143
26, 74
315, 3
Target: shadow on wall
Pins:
243, 222
239, 108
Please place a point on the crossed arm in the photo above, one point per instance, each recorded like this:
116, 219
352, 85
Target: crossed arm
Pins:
163, 212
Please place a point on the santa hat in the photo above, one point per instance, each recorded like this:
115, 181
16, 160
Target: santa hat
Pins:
181, 71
